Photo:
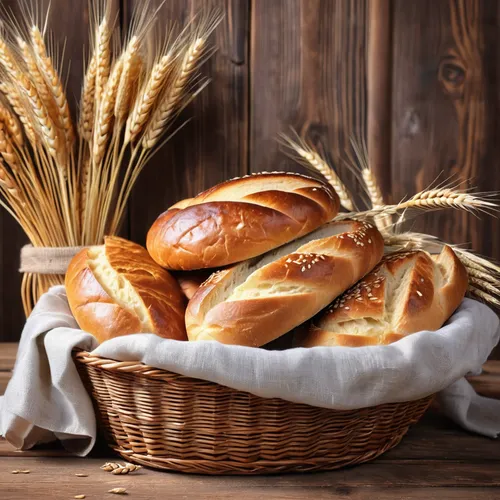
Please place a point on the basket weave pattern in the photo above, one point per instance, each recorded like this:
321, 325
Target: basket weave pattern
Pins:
168, 421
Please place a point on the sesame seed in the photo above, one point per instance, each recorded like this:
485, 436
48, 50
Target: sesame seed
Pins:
308, 266
369, 240
419, 293
421, 280
346, 308
303, 268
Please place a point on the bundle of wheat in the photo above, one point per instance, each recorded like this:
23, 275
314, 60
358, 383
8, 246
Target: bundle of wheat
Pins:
68, 186
484, 275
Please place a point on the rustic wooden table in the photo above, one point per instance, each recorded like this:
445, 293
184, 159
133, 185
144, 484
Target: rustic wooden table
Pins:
435, 460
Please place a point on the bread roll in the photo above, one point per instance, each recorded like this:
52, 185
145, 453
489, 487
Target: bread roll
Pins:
117, 289
240, 219
257, 301
408, 292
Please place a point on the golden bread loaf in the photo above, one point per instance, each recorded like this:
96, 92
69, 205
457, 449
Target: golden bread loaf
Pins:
406, 293
117, 289
240, 219
257, 301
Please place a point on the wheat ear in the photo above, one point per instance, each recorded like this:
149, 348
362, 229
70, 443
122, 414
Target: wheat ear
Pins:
13, 126
372, 188
6, 149
104, 120
147, 98
314, 161
38, 79
14, 100
8, 183
435, 199
132, 64
44, 122
376, 199
102, 58
176, 93
55, 86
87, 102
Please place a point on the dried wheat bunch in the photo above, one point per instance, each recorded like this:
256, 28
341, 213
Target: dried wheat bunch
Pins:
68, 185
484, 275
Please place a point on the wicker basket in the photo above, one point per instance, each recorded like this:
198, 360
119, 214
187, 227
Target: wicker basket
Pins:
167, 421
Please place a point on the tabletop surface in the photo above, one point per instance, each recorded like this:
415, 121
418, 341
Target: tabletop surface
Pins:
436, 459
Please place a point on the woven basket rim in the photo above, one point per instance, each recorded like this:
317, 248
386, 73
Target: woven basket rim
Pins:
138, 368
135, 367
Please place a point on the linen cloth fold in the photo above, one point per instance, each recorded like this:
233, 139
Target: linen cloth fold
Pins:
46, 400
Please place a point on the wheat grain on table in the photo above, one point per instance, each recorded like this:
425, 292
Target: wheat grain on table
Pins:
435, 460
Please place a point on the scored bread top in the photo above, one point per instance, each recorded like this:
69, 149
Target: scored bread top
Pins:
406, 293
257, 301
117, 289
240, 219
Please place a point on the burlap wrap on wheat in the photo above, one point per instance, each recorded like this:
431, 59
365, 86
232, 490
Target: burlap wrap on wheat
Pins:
46, 260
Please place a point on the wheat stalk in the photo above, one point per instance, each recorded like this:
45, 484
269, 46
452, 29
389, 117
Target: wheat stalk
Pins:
314, 161
65, 197
87, 103
132, 64
13, 126
148, 97
7, 183
6, 149
102, 57
431, 200
54, 85
171, 102
37, 77
104, 119
13, 99
372, 188
44, 123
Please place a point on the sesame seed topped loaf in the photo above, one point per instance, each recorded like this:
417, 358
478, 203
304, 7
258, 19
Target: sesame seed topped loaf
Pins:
257, 301
240, 219
406, 293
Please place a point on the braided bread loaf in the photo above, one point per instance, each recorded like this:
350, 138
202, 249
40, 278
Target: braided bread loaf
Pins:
406, 293
240, 219
257, 301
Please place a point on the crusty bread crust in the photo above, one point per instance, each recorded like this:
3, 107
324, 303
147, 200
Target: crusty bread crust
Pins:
406, 293
240, 219
257, 301
117, 289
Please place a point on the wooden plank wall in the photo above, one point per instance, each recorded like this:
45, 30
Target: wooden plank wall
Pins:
417, 78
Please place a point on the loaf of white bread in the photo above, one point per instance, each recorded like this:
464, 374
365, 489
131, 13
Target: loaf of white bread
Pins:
257, 301
117, 289
406, 293
240, 219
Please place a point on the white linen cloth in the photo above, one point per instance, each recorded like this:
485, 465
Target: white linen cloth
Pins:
46, 399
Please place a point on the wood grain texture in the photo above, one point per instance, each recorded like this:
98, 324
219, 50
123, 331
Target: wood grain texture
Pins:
444, 108
308, 72
378, 81
373, 480
212, 147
